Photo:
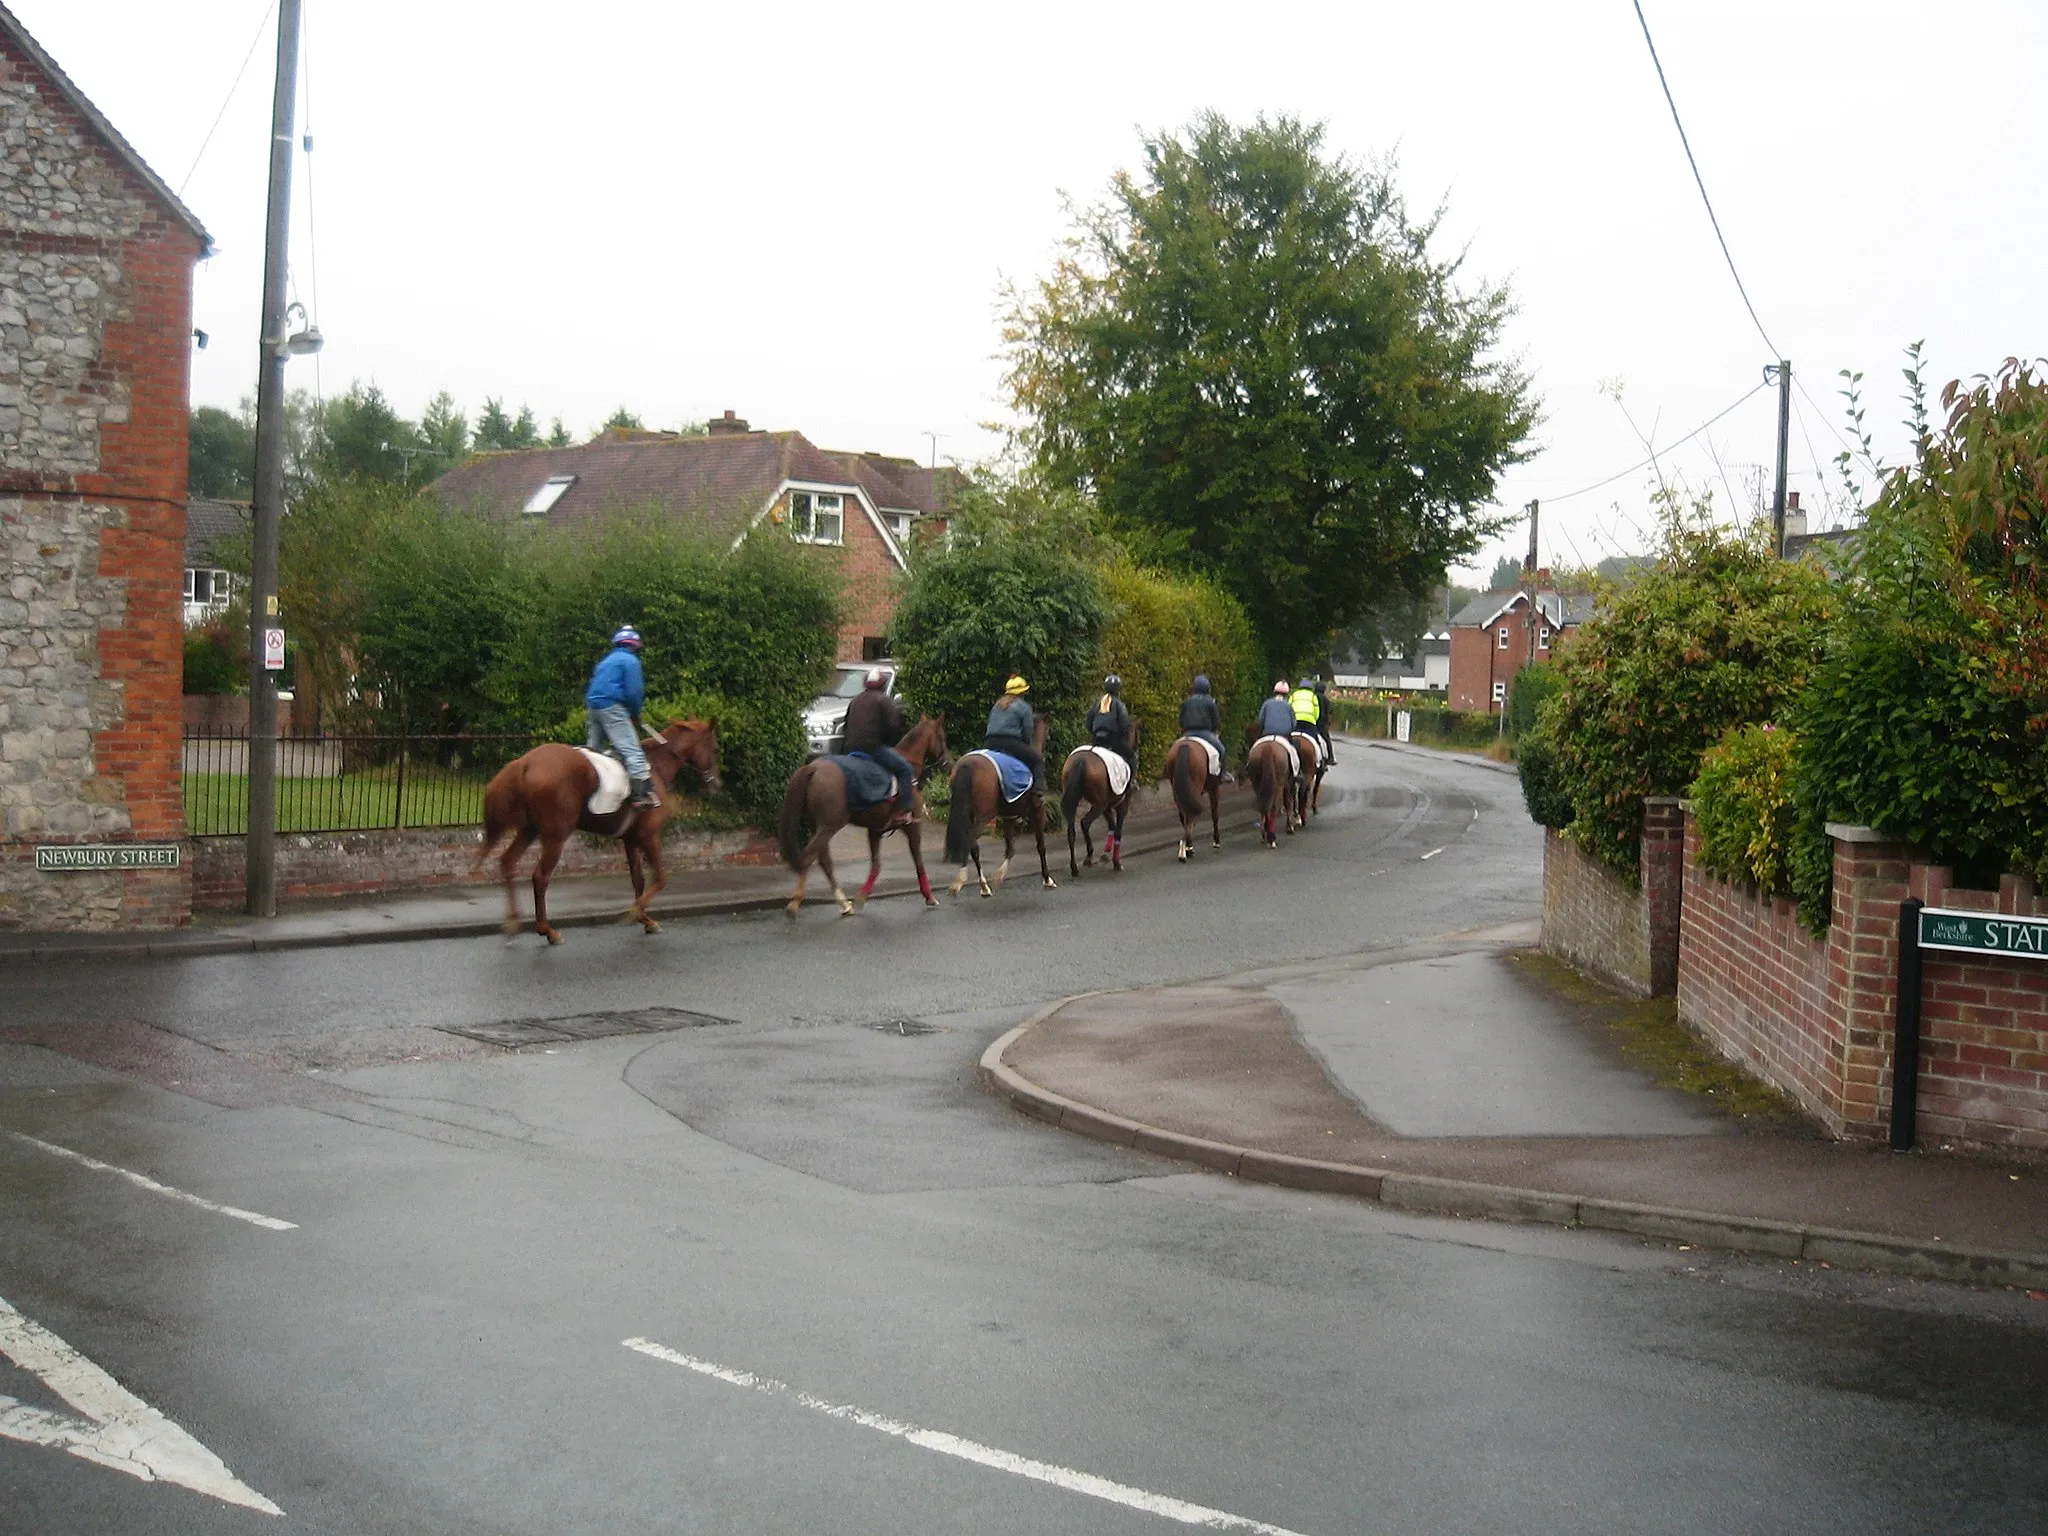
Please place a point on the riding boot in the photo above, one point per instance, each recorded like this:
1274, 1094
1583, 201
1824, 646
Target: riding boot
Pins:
644, 795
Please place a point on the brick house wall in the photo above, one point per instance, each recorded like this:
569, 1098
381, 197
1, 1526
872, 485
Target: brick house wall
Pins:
1478, 660
1817, 1016
1595, 920
95, 326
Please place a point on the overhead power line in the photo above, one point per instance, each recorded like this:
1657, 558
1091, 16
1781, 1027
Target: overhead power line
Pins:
228, 99
1700, 182
1587, 490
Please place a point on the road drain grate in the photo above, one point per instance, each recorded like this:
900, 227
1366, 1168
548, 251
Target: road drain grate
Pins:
514, 1033
904, 1027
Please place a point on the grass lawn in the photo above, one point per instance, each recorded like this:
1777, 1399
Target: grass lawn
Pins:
218, 803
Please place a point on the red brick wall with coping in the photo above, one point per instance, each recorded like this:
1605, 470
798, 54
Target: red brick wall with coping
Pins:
1594, 919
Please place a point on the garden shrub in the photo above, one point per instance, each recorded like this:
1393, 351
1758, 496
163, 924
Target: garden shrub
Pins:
1719, 633
1163, 630
1545, 789
1526, 695
216, 660
1742, 804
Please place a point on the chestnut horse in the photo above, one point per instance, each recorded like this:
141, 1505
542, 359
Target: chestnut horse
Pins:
1309, 788
1086, 777
1272, 780
978, 800
1187, 768
818, 790
543, 794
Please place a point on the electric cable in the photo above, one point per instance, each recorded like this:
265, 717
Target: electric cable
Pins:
1700, 182
1645, 463
228, 100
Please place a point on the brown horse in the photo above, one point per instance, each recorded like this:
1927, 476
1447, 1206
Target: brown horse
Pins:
1308, 790
1187, 768
1272, 781
818, 790
544, 793
1086, 777
978, 800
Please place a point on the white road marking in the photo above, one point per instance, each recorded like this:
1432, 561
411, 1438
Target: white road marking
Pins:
1434, 852
968, 1450
144, 1181
118, 1430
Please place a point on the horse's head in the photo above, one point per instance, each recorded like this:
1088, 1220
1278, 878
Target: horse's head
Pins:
924, 744
694, 743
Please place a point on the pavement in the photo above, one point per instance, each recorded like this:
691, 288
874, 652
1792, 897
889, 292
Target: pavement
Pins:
1458, 1077
454, 912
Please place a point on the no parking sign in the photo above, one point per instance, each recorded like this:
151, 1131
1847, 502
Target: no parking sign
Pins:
273, 649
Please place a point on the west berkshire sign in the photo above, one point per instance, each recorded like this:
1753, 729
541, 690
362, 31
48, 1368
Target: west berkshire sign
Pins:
1984, 933
97, 856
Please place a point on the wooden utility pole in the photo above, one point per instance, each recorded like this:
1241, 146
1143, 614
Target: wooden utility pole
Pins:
260, 881
1529, 564
1784, 372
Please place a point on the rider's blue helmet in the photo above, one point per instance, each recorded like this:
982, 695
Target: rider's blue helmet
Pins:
627, 635
1202, 683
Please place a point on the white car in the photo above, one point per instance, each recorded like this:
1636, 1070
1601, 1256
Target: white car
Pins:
825, 716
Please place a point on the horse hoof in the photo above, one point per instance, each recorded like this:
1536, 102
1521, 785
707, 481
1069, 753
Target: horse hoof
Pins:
1217, 845
846, 909
552, 937
931, 903
649, 925
1051, 884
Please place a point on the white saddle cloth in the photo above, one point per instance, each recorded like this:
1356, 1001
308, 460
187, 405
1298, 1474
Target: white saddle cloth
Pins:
612, 784
1293, 757
1118, 770
1215, 757
1315, 751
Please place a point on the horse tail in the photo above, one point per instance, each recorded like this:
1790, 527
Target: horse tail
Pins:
1184, 781
497, 812
961, 825
1075, 787
789, 830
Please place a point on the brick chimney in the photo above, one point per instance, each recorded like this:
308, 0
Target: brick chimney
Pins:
718, 426
1795, 519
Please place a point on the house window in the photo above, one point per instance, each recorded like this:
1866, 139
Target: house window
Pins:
206, 588
1500, 693
1543, 638
817, 517
549, 493
1503, 637
899, 526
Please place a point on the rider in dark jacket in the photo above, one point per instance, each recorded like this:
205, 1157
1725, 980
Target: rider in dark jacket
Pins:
1109, 723
1202, 718
874, 724
1012, 729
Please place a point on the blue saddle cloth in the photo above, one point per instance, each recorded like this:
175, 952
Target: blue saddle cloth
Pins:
1015, 773
868, 783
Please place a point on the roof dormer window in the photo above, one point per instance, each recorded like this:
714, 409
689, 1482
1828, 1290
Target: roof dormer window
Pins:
547, 495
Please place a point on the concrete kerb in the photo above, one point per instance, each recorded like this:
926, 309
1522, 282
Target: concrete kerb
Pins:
1461, 1197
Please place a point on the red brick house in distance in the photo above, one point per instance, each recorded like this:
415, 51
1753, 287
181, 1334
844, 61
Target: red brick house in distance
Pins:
96, 257
1498, 633
862, 510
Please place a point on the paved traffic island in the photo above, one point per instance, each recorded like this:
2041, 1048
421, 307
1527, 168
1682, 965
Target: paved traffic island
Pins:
1464, 1078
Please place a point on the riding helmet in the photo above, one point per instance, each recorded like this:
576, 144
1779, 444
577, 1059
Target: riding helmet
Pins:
1112, 684
627, 635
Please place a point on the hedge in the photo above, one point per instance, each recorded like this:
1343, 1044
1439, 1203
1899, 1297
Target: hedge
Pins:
1162, 632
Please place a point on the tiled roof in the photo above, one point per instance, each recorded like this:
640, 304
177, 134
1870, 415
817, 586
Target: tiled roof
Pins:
17, 34
212, 527
1563, 609
720, 482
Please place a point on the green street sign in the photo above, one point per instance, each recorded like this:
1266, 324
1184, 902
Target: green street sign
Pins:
97, 856
1984, 933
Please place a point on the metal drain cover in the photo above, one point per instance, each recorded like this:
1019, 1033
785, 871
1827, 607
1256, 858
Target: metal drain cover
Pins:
514, 1033
904, 1027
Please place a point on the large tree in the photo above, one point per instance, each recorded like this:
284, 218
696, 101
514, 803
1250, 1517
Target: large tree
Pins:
1252, 359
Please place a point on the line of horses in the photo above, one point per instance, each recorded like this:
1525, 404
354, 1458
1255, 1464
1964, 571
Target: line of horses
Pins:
544, 795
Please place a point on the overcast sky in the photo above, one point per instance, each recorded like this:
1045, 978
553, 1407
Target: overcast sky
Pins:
805, 213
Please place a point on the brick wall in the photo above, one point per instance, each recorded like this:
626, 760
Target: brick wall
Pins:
1597, 921
868, 583
1817, 1016
312, 865
95, 325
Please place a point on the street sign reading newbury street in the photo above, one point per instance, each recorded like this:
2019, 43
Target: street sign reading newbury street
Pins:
97, 856
1984, 933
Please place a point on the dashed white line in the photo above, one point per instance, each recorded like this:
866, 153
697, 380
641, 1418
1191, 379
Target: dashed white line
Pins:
1160, 1504
117, 1430
144, 1181
1434, 852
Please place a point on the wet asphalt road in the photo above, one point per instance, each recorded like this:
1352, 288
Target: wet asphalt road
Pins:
437, 1345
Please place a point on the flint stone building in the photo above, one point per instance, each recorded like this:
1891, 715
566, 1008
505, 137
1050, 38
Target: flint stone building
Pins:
96, 259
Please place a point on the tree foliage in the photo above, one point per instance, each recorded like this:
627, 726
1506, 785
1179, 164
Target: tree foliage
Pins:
223, 454
1163, 631
1252, 360
1719, 633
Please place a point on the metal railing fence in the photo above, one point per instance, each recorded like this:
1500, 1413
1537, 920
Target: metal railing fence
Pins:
346, 783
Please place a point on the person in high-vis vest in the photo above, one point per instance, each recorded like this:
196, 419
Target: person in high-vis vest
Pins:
1308, 714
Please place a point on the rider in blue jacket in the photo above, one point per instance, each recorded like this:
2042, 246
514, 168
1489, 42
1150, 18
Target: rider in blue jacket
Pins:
613, 701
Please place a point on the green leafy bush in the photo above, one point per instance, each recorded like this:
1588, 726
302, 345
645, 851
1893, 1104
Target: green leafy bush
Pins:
1742, 802
1005, 597
1164, 630
1533, 685
216, 660
1719, 633
1545, 789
